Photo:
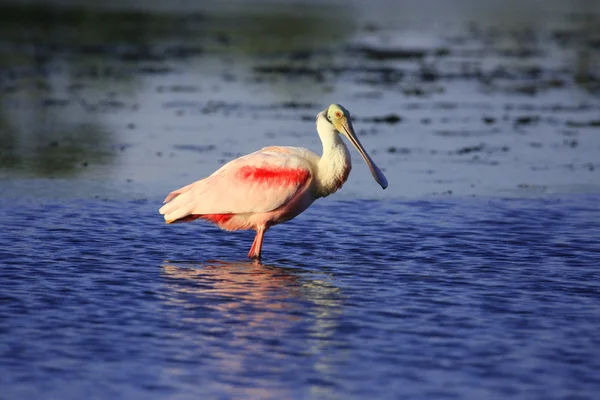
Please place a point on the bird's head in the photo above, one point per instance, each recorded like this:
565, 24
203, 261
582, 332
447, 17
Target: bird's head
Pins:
337, 115
339, 119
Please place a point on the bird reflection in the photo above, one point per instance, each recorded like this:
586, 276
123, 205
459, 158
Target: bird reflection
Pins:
252, 326
232, 287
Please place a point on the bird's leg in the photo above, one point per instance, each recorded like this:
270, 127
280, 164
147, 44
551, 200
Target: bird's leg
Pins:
251, 252
257, 244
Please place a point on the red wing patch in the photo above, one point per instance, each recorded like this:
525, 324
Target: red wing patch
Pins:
216, 218
273, 176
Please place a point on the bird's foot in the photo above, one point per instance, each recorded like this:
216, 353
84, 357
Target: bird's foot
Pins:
254, 256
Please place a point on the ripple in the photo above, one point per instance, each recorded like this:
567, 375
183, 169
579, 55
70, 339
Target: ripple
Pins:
476, 291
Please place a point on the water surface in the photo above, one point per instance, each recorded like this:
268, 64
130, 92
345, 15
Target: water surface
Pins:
421, 299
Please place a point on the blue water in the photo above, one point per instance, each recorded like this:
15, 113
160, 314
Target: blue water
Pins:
466, 298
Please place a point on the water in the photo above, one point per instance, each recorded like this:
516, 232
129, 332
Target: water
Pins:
468, 101
473, 276
481, 298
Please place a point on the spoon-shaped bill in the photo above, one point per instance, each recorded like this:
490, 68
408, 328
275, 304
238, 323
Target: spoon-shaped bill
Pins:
348, 130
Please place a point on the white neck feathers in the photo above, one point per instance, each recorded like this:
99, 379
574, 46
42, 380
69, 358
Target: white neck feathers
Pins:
334, 165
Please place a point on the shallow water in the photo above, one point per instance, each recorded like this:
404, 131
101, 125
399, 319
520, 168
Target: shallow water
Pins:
488, 98
422, 299
473, 276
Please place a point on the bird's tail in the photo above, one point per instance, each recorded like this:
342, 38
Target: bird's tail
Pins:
178, 205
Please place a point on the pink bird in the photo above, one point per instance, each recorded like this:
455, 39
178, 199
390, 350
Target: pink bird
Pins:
272, 185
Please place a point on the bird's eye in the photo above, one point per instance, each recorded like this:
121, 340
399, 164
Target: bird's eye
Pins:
338, 114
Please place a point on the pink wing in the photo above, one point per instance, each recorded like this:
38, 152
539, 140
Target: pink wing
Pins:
259, 182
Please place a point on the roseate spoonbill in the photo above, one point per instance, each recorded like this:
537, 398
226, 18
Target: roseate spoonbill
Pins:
272, 185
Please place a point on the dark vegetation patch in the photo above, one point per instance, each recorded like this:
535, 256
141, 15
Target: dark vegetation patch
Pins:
595, 123
196, 148
399, 150
466, 132
391, 119
381, 53
527, 119
480, 148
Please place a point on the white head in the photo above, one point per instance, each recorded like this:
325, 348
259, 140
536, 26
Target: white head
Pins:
336, 119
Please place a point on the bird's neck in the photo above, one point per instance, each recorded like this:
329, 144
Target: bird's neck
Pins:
334, 165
